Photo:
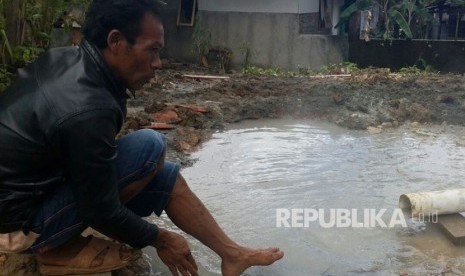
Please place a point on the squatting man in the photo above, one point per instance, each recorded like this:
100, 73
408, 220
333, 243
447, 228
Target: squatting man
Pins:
62, 169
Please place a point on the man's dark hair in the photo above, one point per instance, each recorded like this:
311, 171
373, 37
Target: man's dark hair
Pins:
102, 16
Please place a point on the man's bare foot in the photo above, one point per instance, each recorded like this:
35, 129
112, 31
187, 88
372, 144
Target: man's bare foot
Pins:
247, 257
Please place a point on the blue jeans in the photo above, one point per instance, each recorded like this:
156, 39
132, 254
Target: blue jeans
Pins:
139, 152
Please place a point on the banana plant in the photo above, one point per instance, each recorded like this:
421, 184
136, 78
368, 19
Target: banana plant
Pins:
412, 16
358, 6
460, 3
5, 47
400, 20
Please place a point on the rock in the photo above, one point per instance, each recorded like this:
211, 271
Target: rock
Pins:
3, 258
444, 126
338, 98
415, 125
456, 271
19, 265
187, 138
423, 132
419, 113
374, 130
387, 125
155, 107
358, 121
403, 109
447, 99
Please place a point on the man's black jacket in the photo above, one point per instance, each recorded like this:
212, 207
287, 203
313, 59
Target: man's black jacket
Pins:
58, 123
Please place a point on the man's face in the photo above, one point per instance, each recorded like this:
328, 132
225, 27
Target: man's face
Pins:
135, 64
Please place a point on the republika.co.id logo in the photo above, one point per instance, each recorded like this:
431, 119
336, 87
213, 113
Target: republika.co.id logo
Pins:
341, 217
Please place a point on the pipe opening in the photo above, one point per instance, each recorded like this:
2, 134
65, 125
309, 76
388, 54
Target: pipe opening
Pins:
405, 205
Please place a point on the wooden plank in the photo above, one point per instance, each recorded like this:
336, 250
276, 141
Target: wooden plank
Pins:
209, 77
160, 126
331, 76
194, 107
95, 274
350, 75
453, 226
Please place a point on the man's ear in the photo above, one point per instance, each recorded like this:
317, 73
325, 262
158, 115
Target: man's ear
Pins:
115, 40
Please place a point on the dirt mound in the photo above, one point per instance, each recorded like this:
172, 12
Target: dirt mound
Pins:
367, 99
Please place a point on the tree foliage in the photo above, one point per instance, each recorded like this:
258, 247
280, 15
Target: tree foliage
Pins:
25, 30
407, 18
26, 26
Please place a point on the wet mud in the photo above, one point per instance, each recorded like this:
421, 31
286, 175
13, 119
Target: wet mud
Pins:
370, 100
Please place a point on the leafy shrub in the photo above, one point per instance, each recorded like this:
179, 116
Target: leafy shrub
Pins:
6, 78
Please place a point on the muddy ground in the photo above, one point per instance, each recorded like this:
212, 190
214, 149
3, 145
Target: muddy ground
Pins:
371, 100
189, 109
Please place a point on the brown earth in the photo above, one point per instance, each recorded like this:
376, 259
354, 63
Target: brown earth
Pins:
370, 99
189, 109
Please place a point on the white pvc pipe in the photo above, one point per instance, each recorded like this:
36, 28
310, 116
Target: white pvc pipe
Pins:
433, 203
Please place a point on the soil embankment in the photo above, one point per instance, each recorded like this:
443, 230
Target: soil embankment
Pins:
371, 100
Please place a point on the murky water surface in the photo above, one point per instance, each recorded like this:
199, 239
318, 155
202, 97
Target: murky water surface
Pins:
245, 174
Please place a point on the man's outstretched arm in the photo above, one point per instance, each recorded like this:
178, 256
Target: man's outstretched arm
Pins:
189, 213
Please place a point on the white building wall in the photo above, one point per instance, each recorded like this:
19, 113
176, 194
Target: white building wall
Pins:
337, 4
308, 6
266, 6
256, 6
271, 28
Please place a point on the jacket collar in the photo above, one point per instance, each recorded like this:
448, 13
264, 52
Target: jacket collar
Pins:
118, 89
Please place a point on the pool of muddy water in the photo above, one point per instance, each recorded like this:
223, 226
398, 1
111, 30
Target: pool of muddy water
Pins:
327, 196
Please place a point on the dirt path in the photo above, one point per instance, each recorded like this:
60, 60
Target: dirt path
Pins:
187, 110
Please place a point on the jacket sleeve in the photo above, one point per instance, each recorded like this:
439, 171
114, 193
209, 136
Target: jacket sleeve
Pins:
87, 145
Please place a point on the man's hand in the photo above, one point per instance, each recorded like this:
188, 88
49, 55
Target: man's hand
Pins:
174, 252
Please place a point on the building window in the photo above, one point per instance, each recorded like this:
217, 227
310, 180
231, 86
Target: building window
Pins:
325, 22
317, 22
186, 12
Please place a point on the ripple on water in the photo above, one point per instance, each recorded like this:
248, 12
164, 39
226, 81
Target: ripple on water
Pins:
244, 174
